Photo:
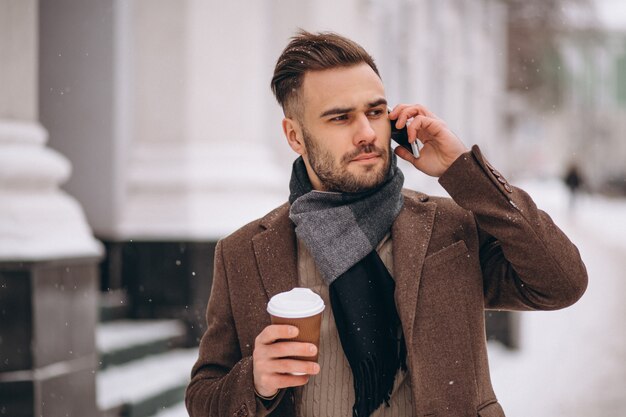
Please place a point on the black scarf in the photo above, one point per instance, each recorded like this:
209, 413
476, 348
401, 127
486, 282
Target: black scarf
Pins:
342, 230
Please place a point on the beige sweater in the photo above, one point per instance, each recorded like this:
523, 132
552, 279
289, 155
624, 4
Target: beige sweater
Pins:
331, 392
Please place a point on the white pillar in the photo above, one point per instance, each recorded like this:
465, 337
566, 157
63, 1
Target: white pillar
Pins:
48, 256
38, 221
199, 153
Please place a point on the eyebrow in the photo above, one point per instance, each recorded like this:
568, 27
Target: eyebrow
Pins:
342, 110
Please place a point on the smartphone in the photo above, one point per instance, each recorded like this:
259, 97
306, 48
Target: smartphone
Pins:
401, 137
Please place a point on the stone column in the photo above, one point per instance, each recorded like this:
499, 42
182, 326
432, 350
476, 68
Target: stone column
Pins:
199, 164
162, 107
48, 257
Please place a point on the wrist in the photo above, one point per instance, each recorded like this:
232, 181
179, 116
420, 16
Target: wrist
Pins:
264, 397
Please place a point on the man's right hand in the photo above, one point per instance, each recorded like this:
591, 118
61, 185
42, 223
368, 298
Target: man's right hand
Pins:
272, 371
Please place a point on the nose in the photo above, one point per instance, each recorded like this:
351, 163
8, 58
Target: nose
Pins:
364, 133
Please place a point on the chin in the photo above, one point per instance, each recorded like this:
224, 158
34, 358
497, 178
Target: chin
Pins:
370, 179
374, 169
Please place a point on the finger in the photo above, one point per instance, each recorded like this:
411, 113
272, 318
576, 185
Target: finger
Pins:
286, 380
271, 382
408, 113
434, 128
404, 112
393, 115
275, 332
291, 366
423, 111
285, 349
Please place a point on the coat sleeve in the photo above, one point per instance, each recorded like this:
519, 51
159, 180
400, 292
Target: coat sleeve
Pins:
222, 382
527, 261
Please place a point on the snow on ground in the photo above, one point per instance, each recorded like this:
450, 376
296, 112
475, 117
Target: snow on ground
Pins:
572, 362
123, 333
144, 378
177, 410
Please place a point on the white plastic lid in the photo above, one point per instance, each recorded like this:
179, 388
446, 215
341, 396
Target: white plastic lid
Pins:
299, 302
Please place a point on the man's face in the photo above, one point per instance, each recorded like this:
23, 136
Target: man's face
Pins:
345, 129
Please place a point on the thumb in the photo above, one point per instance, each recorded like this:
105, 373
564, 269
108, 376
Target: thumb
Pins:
403, 153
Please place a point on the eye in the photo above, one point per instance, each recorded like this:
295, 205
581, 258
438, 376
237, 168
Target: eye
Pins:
375, 112
339, 118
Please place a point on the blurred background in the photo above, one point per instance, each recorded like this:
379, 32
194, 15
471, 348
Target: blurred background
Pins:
136, 133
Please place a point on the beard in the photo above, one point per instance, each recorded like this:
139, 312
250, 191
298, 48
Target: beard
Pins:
336, 177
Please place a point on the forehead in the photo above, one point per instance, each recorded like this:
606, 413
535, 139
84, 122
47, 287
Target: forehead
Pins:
344, 87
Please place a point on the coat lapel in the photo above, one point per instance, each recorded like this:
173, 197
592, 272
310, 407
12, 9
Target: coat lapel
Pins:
410, 233
276, 252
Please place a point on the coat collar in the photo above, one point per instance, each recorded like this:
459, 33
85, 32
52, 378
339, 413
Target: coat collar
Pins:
410, 233
275, 249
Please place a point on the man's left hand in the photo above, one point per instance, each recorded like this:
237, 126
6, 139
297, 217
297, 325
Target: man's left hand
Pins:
441, 146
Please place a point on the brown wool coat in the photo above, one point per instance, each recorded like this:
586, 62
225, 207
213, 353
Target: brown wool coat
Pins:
487, 247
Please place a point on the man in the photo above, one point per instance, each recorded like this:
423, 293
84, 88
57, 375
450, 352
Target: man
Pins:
405, 277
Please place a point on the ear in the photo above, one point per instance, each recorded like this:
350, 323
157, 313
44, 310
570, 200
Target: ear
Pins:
293, 134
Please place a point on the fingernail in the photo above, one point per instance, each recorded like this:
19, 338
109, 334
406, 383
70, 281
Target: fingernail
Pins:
312, 349
293, 331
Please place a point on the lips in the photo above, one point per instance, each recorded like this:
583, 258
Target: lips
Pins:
366, 157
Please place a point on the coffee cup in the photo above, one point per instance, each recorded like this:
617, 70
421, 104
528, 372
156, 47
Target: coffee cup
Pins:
303, 309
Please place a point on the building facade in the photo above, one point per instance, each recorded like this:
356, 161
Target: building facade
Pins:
163, 111
586, 127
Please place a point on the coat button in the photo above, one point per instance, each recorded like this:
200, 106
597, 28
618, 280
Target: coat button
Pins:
508, 188
501, 180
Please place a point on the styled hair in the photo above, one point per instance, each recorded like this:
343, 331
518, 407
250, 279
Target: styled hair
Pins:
312, 52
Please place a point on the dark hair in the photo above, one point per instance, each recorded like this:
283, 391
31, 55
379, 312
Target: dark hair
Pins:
312, 52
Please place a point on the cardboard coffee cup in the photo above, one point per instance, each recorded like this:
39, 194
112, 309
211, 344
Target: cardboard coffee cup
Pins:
302, 308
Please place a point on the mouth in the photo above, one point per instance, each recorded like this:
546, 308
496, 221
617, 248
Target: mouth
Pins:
366, 157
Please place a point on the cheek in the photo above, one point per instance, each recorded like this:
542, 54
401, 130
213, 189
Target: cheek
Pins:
335, 146
383, 131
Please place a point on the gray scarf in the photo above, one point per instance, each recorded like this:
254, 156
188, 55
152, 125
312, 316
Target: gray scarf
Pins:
340, 229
